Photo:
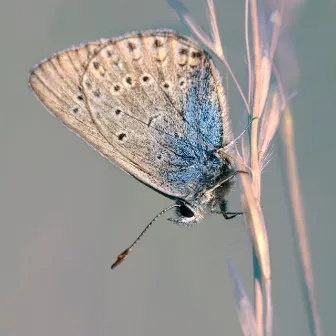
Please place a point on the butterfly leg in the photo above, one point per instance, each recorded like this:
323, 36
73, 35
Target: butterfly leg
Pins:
231, 215
223, 211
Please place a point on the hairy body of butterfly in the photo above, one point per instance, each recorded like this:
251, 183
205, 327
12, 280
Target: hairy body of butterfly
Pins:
153, 104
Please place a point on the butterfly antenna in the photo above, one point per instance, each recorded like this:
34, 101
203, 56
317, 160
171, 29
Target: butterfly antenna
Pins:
122, 256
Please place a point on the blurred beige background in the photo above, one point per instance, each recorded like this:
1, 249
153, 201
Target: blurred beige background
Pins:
66, 212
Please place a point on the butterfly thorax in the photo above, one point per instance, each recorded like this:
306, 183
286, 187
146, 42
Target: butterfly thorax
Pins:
217, 184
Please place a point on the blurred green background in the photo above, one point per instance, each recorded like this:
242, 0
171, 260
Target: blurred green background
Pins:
66, 213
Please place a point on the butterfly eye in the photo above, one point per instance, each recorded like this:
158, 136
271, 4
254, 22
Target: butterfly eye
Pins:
186, 211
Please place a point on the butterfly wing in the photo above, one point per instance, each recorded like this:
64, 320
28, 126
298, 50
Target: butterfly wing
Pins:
152, 103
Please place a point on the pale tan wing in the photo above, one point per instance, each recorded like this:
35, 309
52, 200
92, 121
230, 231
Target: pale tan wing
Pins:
127, 98
137, 91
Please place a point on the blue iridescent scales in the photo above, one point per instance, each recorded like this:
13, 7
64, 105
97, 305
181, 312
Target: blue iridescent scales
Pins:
153, 104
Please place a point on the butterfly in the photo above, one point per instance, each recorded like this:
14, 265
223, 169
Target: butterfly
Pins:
153, 104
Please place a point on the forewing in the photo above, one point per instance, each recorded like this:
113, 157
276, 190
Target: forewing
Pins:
140, 101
